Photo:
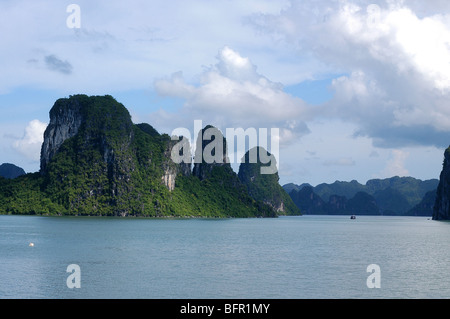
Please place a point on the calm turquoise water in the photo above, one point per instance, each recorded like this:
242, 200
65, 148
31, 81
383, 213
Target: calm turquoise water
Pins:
287, 257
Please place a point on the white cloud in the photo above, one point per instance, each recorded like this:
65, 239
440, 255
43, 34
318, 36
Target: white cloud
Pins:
30, 144
392, 57
395, 57
235, 67
232, 93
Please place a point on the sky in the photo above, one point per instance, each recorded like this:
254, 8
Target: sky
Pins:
358, 89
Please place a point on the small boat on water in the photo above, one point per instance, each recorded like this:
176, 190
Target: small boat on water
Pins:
353, 217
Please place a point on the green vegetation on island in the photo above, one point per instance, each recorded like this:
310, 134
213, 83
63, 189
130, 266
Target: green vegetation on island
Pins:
96, 162
265, 187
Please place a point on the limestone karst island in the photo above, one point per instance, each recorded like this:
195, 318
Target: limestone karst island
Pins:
95, 161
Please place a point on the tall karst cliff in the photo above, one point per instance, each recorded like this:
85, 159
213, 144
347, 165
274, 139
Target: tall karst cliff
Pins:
264, 185
211, 151
66, 117
441, 210
97, 161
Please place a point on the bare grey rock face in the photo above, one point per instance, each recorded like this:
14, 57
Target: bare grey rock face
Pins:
64, 124
171, 169
66, 118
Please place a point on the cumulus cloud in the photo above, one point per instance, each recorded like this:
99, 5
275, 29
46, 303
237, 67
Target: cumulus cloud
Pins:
232, 93
393, 59
31, 142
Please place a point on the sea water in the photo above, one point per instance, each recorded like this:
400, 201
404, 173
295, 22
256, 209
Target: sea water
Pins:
280, 258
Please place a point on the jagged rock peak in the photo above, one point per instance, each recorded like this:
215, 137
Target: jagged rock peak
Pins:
211, 150
258, 172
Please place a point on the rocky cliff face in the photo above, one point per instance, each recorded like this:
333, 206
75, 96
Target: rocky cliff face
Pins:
65, 120
170, 169
88, 153
441, 210
91, 158
265, 187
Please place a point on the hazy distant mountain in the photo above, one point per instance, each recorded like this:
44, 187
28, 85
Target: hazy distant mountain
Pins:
391, 201
289, 187
8, 170
362, 204
347, 189
308, 201
390, 196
